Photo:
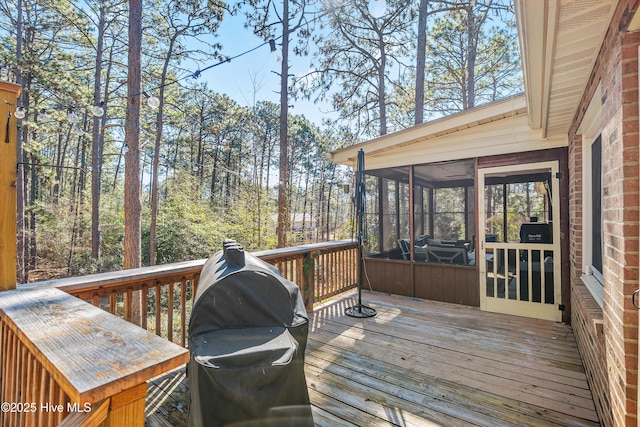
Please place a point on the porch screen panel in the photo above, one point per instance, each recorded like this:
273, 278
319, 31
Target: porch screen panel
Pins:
470, 222
526, 202
371, 218
449, 216
389, 200
387, 211
494, 226
508, 206
419, 226
423, 212
404, 211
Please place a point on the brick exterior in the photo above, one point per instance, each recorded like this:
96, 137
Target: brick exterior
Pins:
608, 337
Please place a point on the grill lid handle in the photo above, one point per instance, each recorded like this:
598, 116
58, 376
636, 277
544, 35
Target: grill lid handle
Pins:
233, 253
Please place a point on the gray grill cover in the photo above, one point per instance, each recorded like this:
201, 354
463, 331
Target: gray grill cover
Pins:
247, 337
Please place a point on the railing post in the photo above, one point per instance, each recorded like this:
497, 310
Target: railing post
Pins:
8, 190
308, 284
127, 407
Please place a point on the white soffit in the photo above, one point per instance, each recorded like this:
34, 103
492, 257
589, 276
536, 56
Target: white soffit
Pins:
509, 135
559, 43
469, 119
497, 128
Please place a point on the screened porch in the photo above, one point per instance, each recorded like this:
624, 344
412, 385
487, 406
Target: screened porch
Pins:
479, 232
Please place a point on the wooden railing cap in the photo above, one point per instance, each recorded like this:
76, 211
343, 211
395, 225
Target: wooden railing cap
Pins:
90, 353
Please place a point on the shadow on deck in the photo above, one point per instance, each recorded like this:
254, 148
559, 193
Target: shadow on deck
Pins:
427, 363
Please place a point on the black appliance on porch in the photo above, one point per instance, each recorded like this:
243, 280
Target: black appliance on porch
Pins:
247, 336
538, 233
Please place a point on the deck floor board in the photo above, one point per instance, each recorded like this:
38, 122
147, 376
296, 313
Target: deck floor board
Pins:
423, 363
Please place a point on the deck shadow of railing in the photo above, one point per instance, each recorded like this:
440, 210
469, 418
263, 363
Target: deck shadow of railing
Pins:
165, 294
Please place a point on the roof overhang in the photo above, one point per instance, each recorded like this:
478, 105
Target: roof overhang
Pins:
497, 128
559, 44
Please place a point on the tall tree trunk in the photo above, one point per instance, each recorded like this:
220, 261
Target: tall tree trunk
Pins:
472, 43
63, 145
382, 105
78, 171
421, 57
283, 202
156, 159
200, 154
259, 172
132, 205
305, 199
216, 155
33, 193
96, 148
103, 119
227, 177
320, 224
333, 175
21, 137
132, 185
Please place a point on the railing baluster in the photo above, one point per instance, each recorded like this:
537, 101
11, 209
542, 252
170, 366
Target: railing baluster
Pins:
170, 312
62, 400
183, 311
13, 374
157, 309
144, 306
112, 303
326, 276
194, 286
27, 382
334, 270
43, 385
128, 305
341, 271
329, 273
322, 272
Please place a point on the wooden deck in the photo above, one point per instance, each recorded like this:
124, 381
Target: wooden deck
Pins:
424, 363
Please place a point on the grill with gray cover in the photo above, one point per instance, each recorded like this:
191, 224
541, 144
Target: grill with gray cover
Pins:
247, 337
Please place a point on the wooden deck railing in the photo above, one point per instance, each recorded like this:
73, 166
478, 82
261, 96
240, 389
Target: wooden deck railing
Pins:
60, 355
322, 270
64, 362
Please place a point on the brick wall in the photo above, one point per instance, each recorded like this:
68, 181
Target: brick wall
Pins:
575, 206
608, 338
587, 325
586, 315
620, 223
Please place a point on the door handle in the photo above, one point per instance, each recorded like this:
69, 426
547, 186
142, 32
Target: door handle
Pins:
634, 298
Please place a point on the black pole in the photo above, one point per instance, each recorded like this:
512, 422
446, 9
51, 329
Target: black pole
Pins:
360, 310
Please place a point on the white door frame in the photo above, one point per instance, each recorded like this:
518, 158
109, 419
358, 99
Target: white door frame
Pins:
514, 305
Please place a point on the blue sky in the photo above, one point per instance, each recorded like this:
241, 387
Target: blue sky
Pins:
238, 77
